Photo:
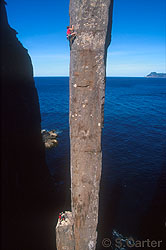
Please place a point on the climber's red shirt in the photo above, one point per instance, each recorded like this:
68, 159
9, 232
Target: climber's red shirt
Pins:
68, 31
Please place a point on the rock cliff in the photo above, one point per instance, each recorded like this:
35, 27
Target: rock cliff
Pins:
156, 75
24, 173
92, 20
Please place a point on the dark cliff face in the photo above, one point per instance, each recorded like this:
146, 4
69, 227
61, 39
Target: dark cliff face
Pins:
24, 174
21, 137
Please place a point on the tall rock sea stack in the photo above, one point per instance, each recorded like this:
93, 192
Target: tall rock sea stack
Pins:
92, 20
24, 173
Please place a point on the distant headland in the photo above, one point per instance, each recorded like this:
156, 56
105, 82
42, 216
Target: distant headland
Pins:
156, 75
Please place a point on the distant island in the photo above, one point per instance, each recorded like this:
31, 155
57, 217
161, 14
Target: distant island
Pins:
156, 75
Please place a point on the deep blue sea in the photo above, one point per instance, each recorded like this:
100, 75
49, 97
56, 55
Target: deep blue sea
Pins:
134, 143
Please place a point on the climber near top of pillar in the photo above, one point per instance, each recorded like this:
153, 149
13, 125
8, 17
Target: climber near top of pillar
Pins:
71, 35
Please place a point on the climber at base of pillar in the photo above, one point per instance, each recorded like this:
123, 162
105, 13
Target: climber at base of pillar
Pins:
71, 35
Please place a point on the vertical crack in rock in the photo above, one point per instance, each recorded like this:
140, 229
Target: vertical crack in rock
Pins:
92, 20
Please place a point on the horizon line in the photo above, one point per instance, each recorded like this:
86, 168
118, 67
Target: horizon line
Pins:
69, 76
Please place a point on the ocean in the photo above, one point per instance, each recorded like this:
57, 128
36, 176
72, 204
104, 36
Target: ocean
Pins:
133, 143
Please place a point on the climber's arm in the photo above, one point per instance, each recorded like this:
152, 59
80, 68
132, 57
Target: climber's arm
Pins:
72, 28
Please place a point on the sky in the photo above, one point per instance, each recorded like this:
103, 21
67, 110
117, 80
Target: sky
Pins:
138, 44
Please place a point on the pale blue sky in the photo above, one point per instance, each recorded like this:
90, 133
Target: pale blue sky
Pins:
138, 36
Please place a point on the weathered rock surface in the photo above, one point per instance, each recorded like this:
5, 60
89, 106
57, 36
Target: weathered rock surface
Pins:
92, 20
64, 232
49, 138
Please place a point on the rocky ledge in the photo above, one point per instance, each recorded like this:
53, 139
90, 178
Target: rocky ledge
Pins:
64, 231
49, 138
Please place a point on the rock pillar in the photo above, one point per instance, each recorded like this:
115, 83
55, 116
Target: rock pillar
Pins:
92, 23
92, 20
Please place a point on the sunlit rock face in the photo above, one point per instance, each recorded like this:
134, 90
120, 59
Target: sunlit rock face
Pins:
23, 169
92, 20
